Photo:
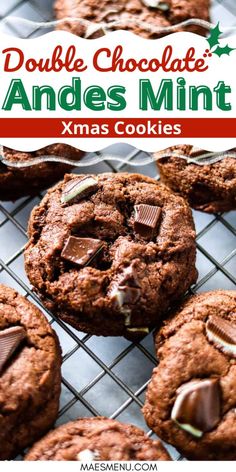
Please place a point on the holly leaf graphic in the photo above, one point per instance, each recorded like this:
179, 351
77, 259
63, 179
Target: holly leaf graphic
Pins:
215, 34
225, 50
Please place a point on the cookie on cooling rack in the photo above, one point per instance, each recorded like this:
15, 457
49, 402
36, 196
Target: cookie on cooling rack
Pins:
210, 188
30, 361
191, 399
19, 182
110, 253
156, 13
99, 439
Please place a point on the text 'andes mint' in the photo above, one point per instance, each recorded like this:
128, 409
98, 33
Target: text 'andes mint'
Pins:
146, 219
222, 333
78, 189
197, 406
81, 251
9, 341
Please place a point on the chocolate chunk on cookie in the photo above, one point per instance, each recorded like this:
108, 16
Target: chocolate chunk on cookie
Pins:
81, 251
130, 15
191, 400
9, 341
197, 406
210, 188
146, 219
17, 182
30, 361
95, 269
98, 439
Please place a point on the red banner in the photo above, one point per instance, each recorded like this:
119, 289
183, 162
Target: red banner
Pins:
117, 128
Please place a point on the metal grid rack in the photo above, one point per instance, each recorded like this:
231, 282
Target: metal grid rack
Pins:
109, 376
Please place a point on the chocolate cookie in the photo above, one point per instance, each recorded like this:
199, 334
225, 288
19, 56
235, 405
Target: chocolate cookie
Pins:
30, 362
149, 14
210, 188
98, 439
110, 253
191, 400
19, 182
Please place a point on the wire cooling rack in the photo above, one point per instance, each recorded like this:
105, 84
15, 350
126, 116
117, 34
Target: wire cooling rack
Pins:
109, 376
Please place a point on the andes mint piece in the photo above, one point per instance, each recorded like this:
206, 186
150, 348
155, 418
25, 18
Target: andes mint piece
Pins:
78, 189
158, 4
222, 333
195, 152
145, 219
9, 341
128, 295
129, 276
123, 296
87, 456
138, 330
126, 292
81, 251
197, 406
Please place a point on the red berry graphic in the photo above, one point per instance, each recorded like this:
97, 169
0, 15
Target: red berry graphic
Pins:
207, 53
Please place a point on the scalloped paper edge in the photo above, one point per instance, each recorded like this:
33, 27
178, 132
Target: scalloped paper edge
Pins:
207, 158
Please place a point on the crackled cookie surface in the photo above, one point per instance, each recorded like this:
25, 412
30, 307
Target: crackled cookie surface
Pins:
97, 439
191, 400
110, 253
30, 360
155, 13
19, 182
210, 188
